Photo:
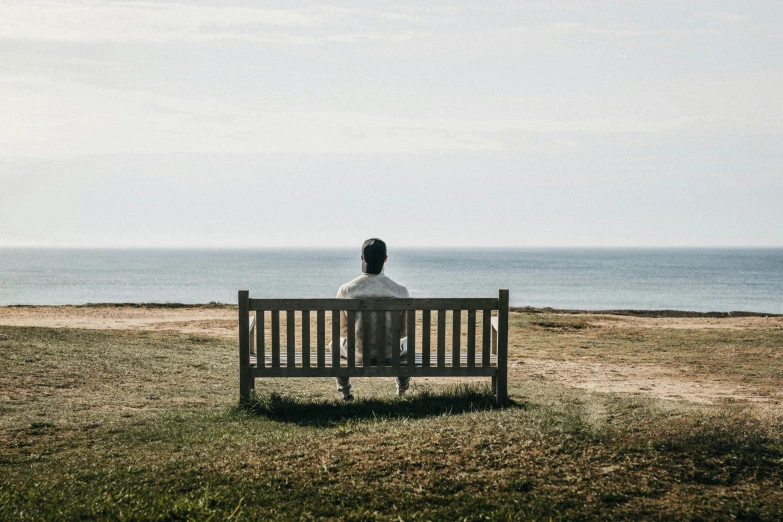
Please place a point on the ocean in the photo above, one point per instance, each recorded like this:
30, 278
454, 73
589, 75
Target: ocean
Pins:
695, 279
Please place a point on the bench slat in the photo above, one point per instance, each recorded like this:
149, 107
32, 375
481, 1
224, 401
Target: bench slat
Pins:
411, 333
456, 326
379, 304
306, 336
290, 334
395, 339
486, 317
494, 335
365, 336
471, 338
275, 339
441, 338
426, 332
351, 324
321, 338
260, 335
380, 337
335, 338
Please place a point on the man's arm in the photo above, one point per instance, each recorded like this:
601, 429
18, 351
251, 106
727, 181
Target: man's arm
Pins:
343, 314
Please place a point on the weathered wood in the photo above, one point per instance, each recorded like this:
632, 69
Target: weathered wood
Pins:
376, 304
395, 326
244, 348
502, 375
411, 334
351, 325
251, 333
320, 338
365, 338
418, 361
426, 333
335, 338
456, 326
441, 338
471, 337
380, 338
306, 336
486, 318
275, 339
494, 336
375, 371
290, 337
459, 361
260, 335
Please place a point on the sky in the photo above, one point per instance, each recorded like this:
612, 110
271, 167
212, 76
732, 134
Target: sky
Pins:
490, 124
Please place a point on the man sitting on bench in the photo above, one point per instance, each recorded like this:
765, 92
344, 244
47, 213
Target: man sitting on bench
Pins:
372, 283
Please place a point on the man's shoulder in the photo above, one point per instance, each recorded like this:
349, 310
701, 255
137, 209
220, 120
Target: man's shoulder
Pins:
372, 286
346, 290
400, 289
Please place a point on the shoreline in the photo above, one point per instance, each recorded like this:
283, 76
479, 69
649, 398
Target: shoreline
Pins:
657, 314
220, 319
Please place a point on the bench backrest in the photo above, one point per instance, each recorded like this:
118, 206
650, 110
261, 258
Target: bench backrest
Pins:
478, 312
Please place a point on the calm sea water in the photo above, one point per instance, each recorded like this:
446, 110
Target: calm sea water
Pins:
680, 279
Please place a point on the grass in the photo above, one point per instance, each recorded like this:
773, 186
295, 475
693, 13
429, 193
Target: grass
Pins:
144, 425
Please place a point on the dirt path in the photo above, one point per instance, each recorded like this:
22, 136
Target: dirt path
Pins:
645, 380
688, 323
201, 320
222, 320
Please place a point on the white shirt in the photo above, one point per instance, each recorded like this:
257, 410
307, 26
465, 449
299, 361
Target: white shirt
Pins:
373, 285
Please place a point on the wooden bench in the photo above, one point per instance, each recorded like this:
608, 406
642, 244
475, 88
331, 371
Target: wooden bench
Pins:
264, 354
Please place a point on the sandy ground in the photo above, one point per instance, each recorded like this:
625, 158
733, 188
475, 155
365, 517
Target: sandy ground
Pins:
724, 323
644, 380
201, 320
222, 320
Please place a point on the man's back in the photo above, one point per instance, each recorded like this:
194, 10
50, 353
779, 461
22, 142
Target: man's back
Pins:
373, 285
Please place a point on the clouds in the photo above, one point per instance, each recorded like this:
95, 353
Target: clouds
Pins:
160, 22
96, 21
540, 95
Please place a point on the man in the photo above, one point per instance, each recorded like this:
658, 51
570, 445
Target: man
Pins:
372, 283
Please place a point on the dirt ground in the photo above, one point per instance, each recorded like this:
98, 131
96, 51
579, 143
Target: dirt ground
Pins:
722, 323
638, 379
220, 321
645, 380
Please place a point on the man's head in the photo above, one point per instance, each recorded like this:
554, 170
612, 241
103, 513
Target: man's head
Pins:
373, 256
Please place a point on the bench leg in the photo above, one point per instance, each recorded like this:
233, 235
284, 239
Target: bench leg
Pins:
500, 388
245, 379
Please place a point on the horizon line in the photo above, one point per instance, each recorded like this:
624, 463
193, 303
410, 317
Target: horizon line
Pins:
341, 247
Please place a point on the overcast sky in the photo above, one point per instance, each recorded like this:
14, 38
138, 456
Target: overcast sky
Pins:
252, 124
